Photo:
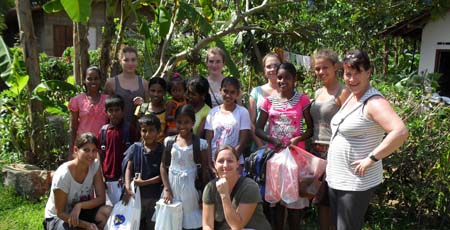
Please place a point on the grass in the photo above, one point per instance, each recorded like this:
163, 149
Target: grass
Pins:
16, 212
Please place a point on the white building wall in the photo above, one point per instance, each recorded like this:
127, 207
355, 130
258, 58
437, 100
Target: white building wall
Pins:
433, 33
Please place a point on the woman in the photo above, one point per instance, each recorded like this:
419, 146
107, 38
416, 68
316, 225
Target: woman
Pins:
87, 109
270, 63
215, 61
327, 101
71, 203
364, 131
132, 88
231, 201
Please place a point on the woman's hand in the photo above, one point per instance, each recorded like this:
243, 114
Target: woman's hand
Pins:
222, 187
138, 101
168, 196
74, 214
362, 165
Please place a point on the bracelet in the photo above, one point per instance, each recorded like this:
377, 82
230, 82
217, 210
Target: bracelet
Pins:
372, 157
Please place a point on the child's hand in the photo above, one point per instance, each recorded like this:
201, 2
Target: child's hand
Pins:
168, 196
127, 196
139, 182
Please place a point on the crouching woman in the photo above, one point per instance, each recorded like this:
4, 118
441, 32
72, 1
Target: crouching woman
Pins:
71, 204
231, 201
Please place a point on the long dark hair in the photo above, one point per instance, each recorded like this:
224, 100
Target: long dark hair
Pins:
200, 85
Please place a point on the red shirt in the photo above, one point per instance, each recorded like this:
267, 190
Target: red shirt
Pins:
115, 149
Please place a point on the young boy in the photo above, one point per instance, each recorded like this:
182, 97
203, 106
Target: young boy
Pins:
114, 141
145, 170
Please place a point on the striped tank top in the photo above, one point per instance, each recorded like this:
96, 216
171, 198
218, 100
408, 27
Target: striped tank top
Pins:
354, 137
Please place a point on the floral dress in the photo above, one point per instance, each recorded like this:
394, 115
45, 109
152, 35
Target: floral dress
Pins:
182, 175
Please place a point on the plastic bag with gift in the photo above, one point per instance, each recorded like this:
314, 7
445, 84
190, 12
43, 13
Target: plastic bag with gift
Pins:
310, 170
168, 216
282, 178
126, 217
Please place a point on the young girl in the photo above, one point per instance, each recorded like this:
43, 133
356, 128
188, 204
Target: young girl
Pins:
179, 185
71, 204
157, 91
200, 99
328, 100
87, 110
228, 123
177, 89
285, 112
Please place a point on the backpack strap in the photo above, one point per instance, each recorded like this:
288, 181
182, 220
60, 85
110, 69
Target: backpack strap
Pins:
363, 104
103, 139
137, 158
126, 133
168, 149
196, 150
236, 187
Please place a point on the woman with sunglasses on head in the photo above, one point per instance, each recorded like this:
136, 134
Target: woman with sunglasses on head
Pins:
365, 130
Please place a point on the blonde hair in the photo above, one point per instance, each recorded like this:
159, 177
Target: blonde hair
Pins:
327, 54
215, 51
226, 147
268, 55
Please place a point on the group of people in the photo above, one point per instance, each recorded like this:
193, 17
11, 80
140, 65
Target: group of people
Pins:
189, 146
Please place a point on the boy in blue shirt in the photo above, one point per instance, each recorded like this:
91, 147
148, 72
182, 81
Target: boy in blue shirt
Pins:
145, 170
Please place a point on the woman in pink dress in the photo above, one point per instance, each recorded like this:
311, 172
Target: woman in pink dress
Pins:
87, 110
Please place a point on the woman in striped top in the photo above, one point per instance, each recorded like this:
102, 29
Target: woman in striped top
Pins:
358, 143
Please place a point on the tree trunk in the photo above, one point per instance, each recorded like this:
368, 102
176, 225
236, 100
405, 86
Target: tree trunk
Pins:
84, 46
108, 34
30, 54
76, 54
124, 13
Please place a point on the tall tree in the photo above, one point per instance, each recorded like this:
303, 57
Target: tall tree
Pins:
30, 53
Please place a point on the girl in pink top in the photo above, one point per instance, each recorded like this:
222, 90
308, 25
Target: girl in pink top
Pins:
87, 110
285, 112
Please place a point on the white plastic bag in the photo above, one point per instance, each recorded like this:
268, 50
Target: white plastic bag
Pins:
282, 178
168, 216
126, 217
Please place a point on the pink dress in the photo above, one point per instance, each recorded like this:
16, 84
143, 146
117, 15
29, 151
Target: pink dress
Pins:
285, 117
285, 122
91, 117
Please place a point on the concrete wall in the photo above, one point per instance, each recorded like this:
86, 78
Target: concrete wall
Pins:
433, 33
44, 27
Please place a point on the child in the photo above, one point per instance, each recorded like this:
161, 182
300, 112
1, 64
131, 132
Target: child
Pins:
87, 110
180, 184
157, 91
177, 89
113, 143
285, 112
199, 98
228, 123
146, 168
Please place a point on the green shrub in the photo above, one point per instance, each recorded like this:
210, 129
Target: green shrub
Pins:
416, 187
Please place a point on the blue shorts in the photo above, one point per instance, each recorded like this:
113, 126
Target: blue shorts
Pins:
55, 223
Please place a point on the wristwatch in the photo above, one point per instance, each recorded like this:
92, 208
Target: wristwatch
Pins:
372, 157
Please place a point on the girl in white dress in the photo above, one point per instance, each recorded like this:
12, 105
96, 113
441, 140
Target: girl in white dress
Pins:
179, 182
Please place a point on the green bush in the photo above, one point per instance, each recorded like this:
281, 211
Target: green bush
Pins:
416, 187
